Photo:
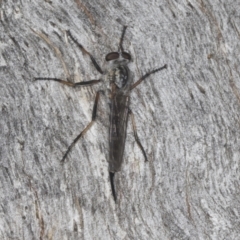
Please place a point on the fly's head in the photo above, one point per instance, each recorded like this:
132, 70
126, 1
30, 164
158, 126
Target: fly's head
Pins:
119, 58
118, 72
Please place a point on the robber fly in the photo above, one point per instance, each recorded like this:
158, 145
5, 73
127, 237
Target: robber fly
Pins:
120, 83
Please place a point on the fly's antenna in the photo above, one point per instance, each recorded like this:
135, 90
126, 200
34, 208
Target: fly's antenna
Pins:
121, 39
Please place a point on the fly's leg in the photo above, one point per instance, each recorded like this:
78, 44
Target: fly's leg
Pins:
147, 75
136, 135
130, 112
70, 84
94, 114
85, 52
87, 83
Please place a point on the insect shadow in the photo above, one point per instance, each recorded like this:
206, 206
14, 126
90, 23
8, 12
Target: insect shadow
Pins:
119, 81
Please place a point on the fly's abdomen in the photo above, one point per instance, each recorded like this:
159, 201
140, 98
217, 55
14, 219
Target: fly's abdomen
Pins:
120, 82
117, 132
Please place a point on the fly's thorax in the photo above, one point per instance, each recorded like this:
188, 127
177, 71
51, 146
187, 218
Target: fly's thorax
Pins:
120, 76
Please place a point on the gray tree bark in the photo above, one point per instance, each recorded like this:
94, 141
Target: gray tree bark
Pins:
187, 119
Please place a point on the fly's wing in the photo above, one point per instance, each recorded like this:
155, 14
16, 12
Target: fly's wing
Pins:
118, 127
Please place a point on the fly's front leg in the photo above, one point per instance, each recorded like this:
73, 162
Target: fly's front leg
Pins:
147, 75
70, 84
94, 114
85, 52
136, 135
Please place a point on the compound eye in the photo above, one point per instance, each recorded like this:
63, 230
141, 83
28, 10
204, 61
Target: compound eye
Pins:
126, 55
112, 56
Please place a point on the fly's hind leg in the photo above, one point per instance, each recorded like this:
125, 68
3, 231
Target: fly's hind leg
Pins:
94, 114
136, 135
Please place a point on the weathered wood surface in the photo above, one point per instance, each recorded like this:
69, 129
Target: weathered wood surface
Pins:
187, 119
